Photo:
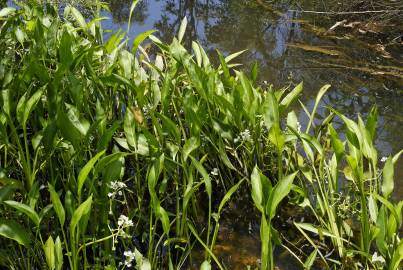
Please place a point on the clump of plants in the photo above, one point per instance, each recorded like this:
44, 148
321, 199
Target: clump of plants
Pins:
114, 158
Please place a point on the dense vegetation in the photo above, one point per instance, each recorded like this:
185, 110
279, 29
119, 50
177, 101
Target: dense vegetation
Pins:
114, 158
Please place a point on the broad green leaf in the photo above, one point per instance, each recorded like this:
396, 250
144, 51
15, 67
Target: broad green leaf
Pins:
203, 172
78, 17
49, 248
12, 230
129, 127
162, 214
82, 176
337, 144
290, 97
182, 29
21, 108
280, 191
373, 209
81, 211
387, 179
205, 266
270, 111
57, 204
397, 257
190, 145
140, 38
372, 121
142, 263
6, 11
257, 189
58, 254
20, 35
26, 210
196, 50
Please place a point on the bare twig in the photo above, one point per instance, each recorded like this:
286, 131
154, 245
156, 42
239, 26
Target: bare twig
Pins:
347, 12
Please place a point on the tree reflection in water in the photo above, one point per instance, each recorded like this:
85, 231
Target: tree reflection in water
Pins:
266, 31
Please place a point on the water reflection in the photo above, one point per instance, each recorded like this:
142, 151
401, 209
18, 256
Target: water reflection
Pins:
290, 47
269, 33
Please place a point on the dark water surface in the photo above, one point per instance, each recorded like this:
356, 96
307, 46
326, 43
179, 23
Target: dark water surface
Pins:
290, 47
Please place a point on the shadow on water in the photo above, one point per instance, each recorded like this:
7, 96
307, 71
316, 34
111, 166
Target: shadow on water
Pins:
290, 47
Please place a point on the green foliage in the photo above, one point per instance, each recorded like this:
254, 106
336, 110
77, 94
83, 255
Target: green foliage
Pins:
130, 145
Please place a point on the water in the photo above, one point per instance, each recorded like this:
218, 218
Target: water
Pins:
290, 47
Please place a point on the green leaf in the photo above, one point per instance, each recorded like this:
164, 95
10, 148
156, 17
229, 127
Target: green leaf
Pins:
26, 210
233, 56
397, 257
81, 211
337, 144
388, 182
170, 126
82, 176
196, 50
140, 39
397, 156
58, 254
20, 35
49, 248
271, 114
291, 97
280, 191
371, 123
129, 126
257, 189
12, 230
203, 172
373, 209
228, 195
190, 145
6, 11
182, 29
78, 17
57, 204
310, 260
205, 266
321, 93
132, 7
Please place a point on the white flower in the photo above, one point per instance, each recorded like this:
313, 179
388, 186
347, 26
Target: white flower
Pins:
214, 171
130, 256
376, 258
116, 185
245, 135
124, 221
299, 127
383, 159
111, 194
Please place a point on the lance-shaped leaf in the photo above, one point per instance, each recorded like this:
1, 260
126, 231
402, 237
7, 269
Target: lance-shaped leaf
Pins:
57, 204
12, 230
81, 211
26, 210
82, 176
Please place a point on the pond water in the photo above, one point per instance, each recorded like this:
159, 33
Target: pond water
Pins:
290, 47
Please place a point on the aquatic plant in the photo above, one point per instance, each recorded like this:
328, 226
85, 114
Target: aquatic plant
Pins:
112, 156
